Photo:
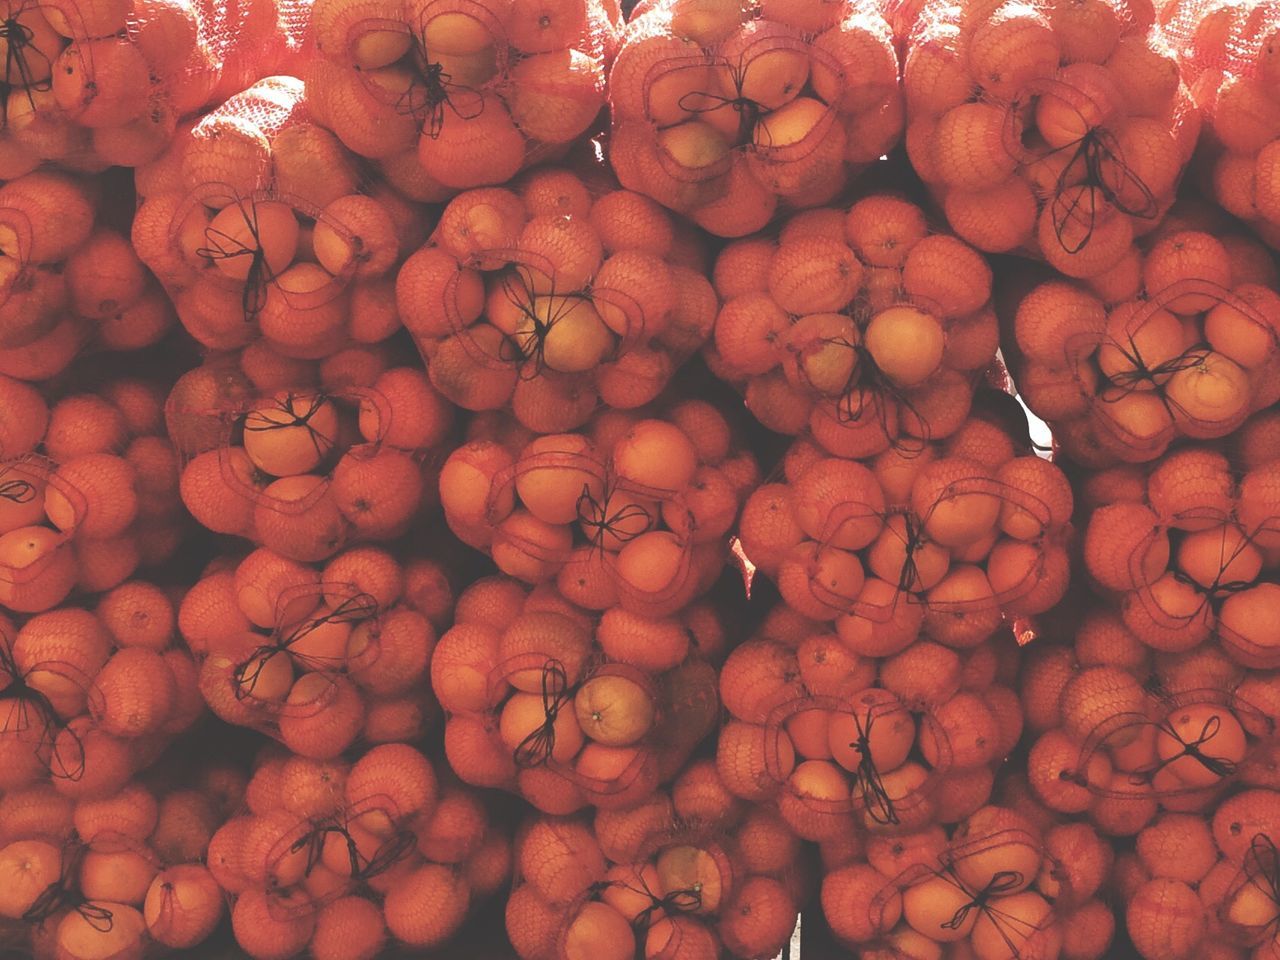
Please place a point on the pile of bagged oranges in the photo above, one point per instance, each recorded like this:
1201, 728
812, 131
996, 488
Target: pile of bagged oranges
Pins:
675, 480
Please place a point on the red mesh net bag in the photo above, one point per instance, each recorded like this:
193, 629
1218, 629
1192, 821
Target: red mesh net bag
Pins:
69, 281
91, 85
566, 709
1186, 348
555, 296
88, 490
307, 467
857, 325
729, 115
1204, 565
261, 224
1248, 911
632, 512
446, 95
1229, 59
1048, 130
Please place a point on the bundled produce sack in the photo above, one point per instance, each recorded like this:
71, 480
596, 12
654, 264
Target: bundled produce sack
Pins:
634, 511
1190, 552
310, 464
570, 709
1228, 56
727, 113
259, 223
114, 875
88, 491
354, 856
554, 296
842, 745
90, 701
1003, 884
319, 658
1187, 348
69, 282
647, 884
446, 95
952, 542
1050, 129
90, 85
858, 326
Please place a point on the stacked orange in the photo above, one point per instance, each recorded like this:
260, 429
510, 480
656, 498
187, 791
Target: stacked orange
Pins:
555, 295
447, 95
1057, 129
568, 709
342, 859
259, 222
320, 658
647, 882
93, 696
1228, 55
90, 85
1187, 347
1001, 885
858, 325
114, 875
728, 112
88, 491
948, 540
68, 282
635, 511
304, 458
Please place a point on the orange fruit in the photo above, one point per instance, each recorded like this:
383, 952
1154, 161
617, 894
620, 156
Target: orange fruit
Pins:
614, 710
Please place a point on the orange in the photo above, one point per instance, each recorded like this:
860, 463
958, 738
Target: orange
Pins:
859, 903
598, 930
524, 716
955, 500
655, 455
1187, 255
1081, 234
968, 145
272, 926
614, 710
878, 731
1217, 738
559, 858
123, 876
29, 868
82, 933
131, 813
1165, 919
758, 676
1124, 546
1209, 395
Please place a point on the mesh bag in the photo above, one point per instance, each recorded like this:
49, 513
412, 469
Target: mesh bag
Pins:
1187, 348
37, 562
305, 470
68, 282
554, 296
452, 94
1204, 565
1227, 54
729, 116
639, 518
566, 710
1248, 912
259, 223
93, 85
1045, 132
857, 326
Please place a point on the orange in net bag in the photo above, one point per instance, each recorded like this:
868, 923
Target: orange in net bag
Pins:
634, 511
448, 95
555, 295
731, 114
304, 469
1186, 347
69, 282
1227, 54
1047, 131
261, 224
539, 705
858, 325
92, 85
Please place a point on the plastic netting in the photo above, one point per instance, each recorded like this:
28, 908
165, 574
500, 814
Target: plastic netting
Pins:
306, 469
93, 85
553, 297
729, 115
568, 710
261, 224
1229, 54
1187, 348
1048, 130
639, 517
68, 282
859, 326
452, 94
